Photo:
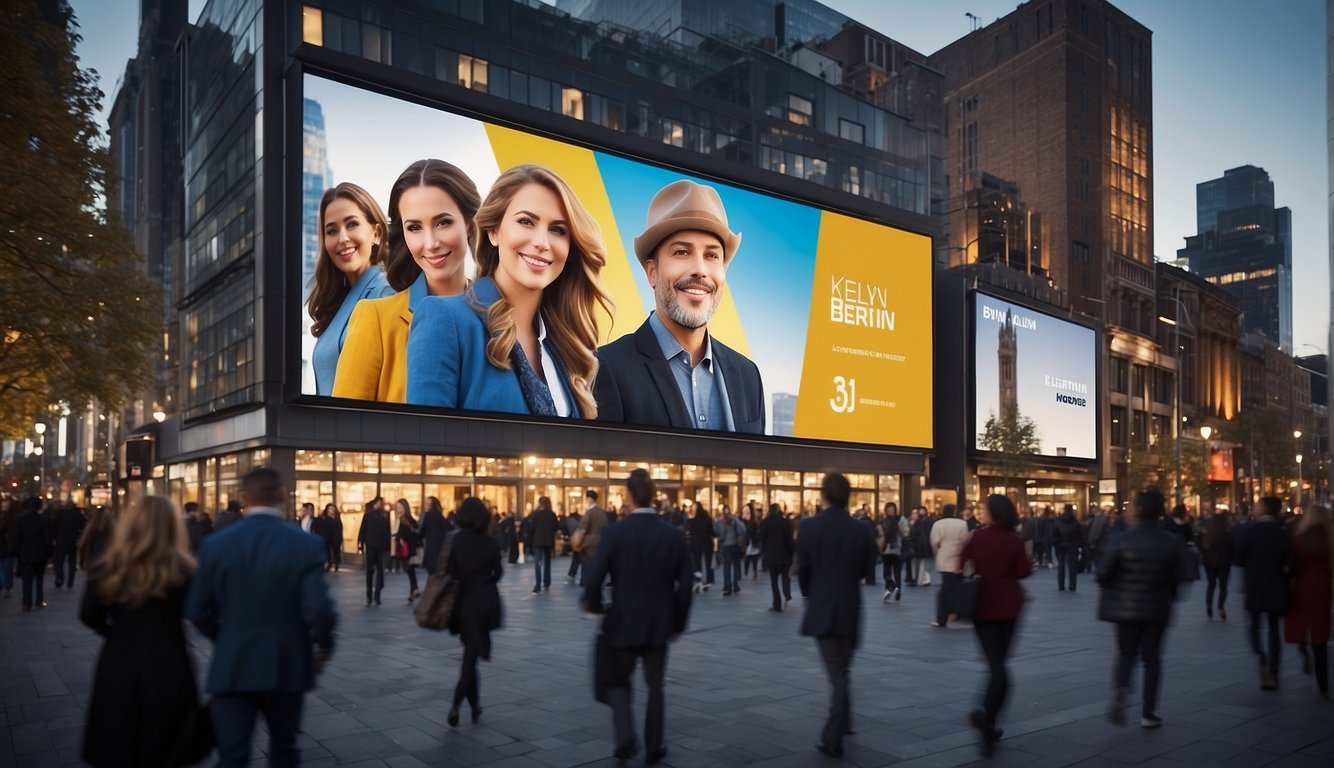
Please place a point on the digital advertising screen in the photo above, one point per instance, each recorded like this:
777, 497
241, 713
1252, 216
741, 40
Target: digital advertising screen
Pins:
1040, 368
730, 310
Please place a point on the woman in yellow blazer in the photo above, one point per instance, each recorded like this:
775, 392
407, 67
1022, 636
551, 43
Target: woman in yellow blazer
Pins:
431, 210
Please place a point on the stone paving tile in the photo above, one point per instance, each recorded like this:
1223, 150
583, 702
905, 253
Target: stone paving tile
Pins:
743, 688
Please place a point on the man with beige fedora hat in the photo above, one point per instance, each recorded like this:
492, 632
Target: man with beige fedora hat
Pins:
671, 372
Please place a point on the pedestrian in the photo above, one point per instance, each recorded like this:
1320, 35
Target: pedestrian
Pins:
1098, 528
474, 562
373, 542
230, 516
197, 525
751, 554
1068, 539
1307, 621
729, 531
144, 708
542, 526
651, 579
1265, 551
1179, 524
776, 547
908, 548
589, 532
1044, 530
434, 528
32, 547
331, 531
947, 537
1139, 575
96, 536
259, 595
68, 524
409, 544
7, 554
894, 534
306, 520
834, 553
1000, 561
1218, 553
701, 534
921, 533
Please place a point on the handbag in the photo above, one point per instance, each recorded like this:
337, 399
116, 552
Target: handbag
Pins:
442, 591
195, 740
966, 592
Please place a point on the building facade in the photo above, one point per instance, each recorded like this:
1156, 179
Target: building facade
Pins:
1244, 244
694, 101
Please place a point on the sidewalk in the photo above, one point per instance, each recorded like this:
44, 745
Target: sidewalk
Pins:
743, 688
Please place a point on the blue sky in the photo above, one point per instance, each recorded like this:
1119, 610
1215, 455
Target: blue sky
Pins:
1235, 83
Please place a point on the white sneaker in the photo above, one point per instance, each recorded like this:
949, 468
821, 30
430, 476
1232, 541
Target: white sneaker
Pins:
1150, 721
888, 594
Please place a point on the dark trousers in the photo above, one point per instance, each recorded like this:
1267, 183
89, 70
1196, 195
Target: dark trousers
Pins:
836, 653
469, 685
893, 571
1321, 653
374, 573
542, 566
731, 567
703, 566
233, 718
412, 576
1067, 562
1217, 578
513, 550
995, 637
6, 573
777, 573
334, 555
575, 562
1144, 641
67, 561
1275, 642
619, 695
33, 574
949, 582
751, 565
908, 563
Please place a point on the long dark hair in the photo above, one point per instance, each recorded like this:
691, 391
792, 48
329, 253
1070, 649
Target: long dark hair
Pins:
331, 287
402, 269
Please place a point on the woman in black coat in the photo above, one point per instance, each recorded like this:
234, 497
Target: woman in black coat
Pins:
1218, 556
409, 544
776, 547
144, 702
474, 562
433, 530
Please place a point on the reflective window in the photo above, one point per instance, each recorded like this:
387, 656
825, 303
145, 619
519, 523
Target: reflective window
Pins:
314, 461
401, 463
353, 461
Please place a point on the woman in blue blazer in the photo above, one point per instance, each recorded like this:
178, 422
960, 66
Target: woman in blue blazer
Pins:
523, 338
349, 269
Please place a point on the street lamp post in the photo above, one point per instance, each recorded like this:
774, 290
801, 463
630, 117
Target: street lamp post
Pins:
40, 429
1176, 408
1205, 432
1299, 479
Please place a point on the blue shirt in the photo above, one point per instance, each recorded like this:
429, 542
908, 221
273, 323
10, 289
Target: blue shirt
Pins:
324, 360
702, 387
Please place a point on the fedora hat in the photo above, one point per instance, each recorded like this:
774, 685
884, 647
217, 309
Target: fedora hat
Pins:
685, 205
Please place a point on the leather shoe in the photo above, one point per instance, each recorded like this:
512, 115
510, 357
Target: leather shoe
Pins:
829, 750
626, 751
656, 755
453, 717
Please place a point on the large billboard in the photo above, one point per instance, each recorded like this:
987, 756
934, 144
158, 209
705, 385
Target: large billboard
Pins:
814, 324
1033, 368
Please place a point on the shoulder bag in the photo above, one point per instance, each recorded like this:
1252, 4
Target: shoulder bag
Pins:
441, 592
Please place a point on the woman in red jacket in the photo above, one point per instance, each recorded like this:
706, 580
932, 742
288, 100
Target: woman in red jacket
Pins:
998, 558
1307, 622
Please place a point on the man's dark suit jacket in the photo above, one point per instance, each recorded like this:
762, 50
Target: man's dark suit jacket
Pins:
635, 386
259, 595
69, 524
651, 581
834, 554
542, 530
1265, 551
776, 543
374, 531
32, 538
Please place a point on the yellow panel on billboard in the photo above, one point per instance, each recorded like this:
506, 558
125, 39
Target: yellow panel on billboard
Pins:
867, 371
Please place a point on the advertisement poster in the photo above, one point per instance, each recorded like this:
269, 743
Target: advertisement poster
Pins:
1044, 367
824, 319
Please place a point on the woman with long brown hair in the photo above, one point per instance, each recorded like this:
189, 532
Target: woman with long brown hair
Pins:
144, 699
349, 269
523, 338
431, 210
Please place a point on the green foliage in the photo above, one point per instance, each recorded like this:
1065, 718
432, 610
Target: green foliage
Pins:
79, 319
1012, 440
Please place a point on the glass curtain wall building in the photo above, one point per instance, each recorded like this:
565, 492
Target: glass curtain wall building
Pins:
695, 101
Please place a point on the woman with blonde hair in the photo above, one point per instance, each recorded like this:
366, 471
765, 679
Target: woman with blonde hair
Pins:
1307, 621
144, 704
523, 338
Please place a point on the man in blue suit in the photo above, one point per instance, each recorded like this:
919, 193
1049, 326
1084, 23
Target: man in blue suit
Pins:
834, 554
652, 578
259, 595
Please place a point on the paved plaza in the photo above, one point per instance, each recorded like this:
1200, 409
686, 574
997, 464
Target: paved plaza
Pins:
743, 688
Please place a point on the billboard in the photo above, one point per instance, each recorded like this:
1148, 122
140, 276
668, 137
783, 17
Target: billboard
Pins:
815, 325
1041, 368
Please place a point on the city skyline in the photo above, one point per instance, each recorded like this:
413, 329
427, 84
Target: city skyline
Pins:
1278, 87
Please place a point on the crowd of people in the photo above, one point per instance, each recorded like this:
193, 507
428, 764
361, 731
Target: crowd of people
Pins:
155, 567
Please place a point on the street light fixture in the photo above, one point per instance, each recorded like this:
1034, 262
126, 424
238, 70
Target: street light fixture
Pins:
1178, 417
1205, 432
40, 450
1299, 479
